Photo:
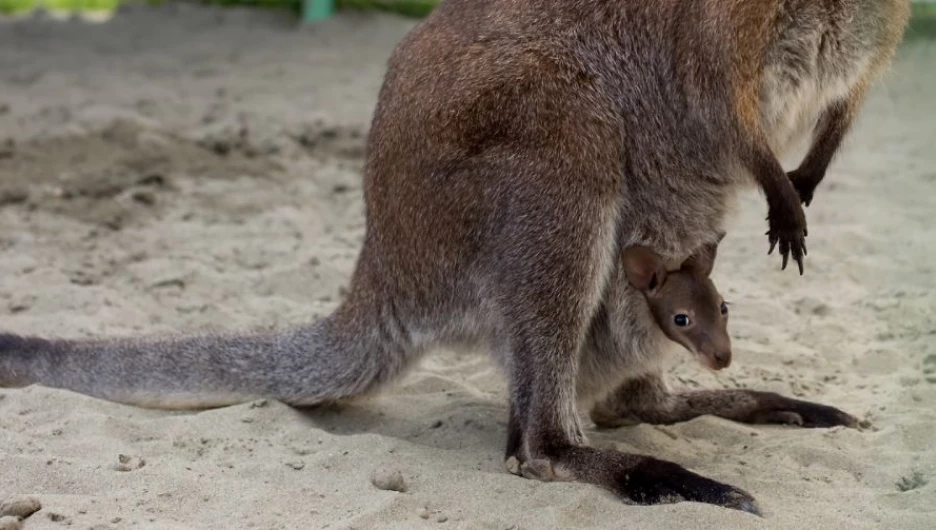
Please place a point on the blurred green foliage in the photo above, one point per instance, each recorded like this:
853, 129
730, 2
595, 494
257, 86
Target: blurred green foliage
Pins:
289, 5
25, 6
16, 6
923, 23
409, 8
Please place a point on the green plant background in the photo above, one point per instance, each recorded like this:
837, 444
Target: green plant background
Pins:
923, 22
411, 8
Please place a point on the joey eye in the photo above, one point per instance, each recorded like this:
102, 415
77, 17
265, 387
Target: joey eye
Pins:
724, 308
681, 320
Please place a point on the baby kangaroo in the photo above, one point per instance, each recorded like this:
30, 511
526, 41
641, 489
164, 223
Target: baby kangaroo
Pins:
517, 148
689, 311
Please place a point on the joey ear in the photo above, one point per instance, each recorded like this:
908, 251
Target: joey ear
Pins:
644, 269
702, 261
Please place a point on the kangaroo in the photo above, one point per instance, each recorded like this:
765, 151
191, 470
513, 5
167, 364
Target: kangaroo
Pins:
515, 150
689, 311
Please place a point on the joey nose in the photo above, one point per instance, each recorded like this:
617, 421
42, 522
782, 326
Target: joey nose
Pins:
722, 358
715, 358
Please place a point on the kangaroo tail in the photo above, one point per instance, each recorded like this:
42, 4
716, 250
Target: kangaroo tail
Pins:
328, 360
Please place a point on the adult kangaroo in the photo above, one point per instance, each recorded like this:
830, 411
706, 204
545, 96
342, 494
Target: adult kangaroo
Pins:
517, 149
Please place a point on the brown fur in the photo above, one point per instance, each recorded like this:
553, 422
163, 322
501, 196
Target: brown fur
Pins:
517, 147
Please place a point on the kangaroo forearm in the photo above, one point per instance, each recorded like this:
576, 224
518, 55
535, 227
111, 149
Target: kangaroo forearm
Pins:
770, 176
829, 133
785, 216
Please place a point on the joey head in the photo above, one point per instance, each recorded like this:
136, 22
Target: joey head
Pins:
684, 303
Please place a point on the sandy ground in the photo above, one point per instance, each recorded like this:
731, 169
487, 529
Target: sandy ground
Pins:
184, 168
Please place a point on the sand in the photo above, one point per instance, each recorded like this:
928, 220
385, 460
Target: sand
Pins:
183, 168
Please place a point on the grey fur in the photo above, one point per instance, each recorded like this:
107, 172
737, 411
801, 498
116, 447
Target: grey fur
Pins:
517, 148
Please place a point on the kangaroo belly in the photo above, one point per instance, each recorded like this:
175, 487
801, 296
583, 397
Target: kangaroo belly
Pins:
801, 80
623, 342
824, 52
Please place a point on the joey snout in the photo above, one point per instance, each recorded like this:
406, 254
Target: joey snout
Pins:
715, 357
712, 349
713, 354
